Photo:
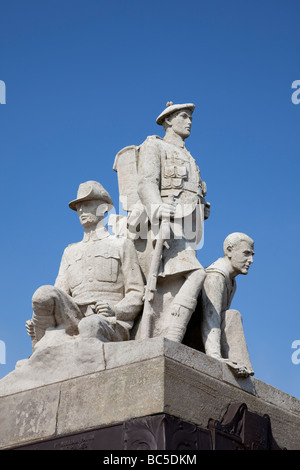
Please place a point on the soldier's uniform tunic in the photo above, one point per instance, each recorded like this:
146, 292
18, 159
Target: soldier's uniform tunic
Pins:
102, 268
167, 172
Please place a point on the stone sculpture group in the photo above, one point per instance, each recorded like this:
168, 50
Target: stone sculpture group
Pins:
145, 280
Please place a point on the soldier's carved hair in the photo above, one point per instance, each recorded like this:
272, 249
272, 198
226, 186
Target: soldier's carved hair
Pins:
165, 124
234, 239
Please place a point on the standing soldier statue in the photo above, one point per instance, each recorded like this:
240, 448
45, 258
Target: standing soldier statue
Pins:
162, 178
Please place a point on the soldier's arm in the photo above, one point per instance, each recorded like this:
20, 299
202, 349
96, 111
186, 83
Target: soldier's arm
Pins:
128, 308
211, 299
212, 296
62, 280
149, 168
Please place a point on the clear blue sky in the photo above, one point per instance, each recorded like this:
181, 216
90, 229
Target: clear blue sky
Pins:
87, 78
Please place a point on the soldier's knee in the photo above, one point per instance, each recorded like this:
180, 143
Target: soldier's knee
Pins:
94, 326
197, 276
233, 315
43, 295
201, 275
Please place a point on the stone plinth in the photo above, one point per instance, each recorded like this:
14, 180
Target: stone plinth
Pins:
141, 379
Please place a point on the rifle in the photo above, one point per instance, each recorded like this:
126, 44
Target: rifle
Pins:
148, 312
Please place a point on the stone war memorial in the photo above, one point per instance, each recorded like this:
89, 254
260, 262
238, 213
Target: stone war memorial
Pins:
135, 346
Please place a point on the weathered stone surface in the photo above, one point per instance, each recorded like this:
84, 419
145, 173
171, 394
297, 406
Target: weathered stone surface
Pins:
29, 416
118, 354
56, 357
116, 395
145, 378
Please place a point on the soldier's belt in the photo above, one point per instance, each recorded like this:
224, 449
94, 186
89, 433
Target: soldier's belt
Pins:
177, 192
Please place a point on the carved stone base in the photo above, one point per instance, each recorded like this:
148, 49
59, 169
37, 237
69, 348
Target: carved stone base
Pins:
163, 391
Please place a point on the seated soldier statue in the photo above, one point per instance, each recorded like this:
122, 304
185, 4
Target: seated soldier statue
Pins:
99, 276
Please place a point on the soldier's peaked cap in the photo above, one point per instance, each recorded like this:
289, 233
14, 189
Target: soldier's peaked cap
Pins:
91, 191
172, 108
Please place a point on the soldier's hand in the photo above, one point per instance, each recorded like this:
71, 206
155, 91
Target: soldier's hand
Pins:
166, 210
30, 328
104, 309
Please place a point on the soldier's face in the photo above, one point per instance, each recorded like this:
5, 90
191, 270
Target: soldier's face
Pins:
89, 212
181, 123
241, 257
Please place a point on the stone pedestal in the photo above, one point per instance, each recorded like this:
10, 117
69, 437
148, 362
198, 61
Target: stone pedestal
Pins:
157, 386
